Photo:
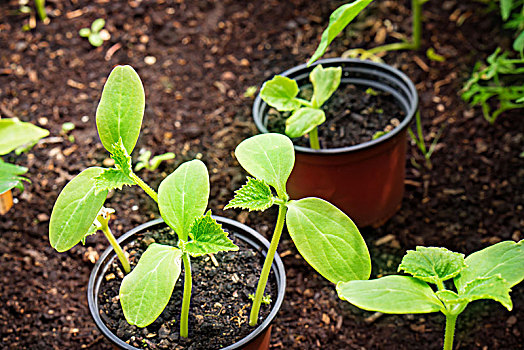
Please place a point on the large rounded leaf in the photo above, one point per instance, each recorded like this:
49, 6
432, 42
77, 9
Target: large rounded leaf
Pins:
328, 240
183, 196
268, 157
121, 108
75, 210
14, 134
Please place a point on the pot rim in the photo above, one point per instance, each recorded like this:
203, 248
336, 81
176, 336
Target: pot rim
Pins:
247, 234
399, 76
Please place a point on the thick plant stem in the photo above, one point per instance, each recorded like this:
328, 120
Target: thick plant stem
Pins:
40, 9
186, 299
118, 250
451, 320
313, 139
261, 287
144, 186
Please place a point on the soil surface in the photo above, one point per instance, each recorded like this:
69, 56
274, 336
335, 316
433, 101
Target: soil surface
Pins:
220, 303
196, 60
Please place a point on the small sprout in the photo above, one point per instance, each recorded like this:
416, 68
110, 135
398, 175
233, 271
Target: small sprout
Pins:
432, 55
419, 140
66, 128
371, 92
379, 134
250, 91
145, 161
96, 34
266, 299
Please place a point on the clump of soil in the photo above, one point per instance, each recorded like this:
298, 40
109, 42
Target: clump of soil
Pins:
354, 115
220, 302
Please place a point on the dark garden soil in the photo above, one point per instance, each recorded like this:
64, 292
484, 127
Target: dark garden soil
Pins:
220, 298
206, 54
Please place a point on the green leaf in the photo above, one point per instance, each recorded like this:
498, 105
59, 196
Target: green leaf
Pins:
96, 40
91, 231
14, 134
155, 162
121, 108
111, 179
121, 157
97, 25
183, 196
328, 240
504, 258
84, 32
432, 264
145, 292
75, 209
518, 44
505, 9
338, 20
208, 237
254, 195
280, 93
268, 157
494, 287
391, 295
10, 176
303, 121
325, 83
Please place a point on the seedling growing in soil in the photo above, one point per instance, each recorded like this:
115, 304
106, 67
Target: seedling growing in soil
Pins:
487, 274
418, 139
96, 34
145, 160
327, 239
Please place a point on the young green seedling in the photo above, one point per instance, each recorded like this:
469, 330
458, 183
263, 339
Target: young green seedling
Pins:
318, 228
145, 160
487, 274
95, 34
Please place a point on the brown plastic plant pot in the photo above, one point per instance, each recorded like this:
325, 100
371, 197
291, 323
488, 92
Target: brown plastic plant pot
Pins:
258, 339
366, 181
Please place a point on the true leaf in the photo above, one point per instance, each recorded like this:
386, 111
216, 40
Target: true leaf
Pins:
432, 264
145, 292
121, 157
183, 196
10, 176
268, 157
280, 93
75, 209
325, 83
493, 287
338, 20
328, 240
504, 258
391, 295
303, 121
111, 179
121, 108
91, 231
208, 237
254, 195
14, 134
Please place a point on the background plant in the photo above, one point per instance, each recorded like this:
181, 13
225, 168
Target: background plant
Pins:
321, 232
420, 142
487, 274
96, 35
145, 160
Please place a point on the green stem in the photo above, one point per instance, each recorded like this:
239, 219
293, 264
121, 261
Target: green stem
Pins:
118, 250
416, 6
40, 9
186, 299
261, 287
313, 139
304, 102
144, 186
451, 320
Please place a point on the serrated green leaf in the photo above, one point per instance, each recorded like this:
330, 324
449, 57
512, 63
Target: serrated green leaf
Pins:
303, 121
15, 134
494, 287
121, 157
145, 292
432, 264
97, 25
91, 231
338, 20
10, 176
504, 258
325, 83
268, 157
183, 196
391, 295
254, 195
208, 237
280, 93
95, 39
111, 179
121, 108
75, 209
328, 240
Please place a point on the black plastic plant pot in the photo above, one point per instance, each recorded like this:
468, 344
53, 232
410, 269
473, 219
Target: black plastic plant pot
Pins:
258, 339
365, 180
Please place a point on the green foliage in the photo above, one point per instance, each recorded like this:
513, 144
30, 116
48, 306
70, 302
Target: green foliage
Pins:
94, 34
496, 85
121, 108
280, 93
420, 142
338, 20
111, 179
254, 195
121, 157
303, 120
16, 135
10, 176
486, 274
145, 160
208, 237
